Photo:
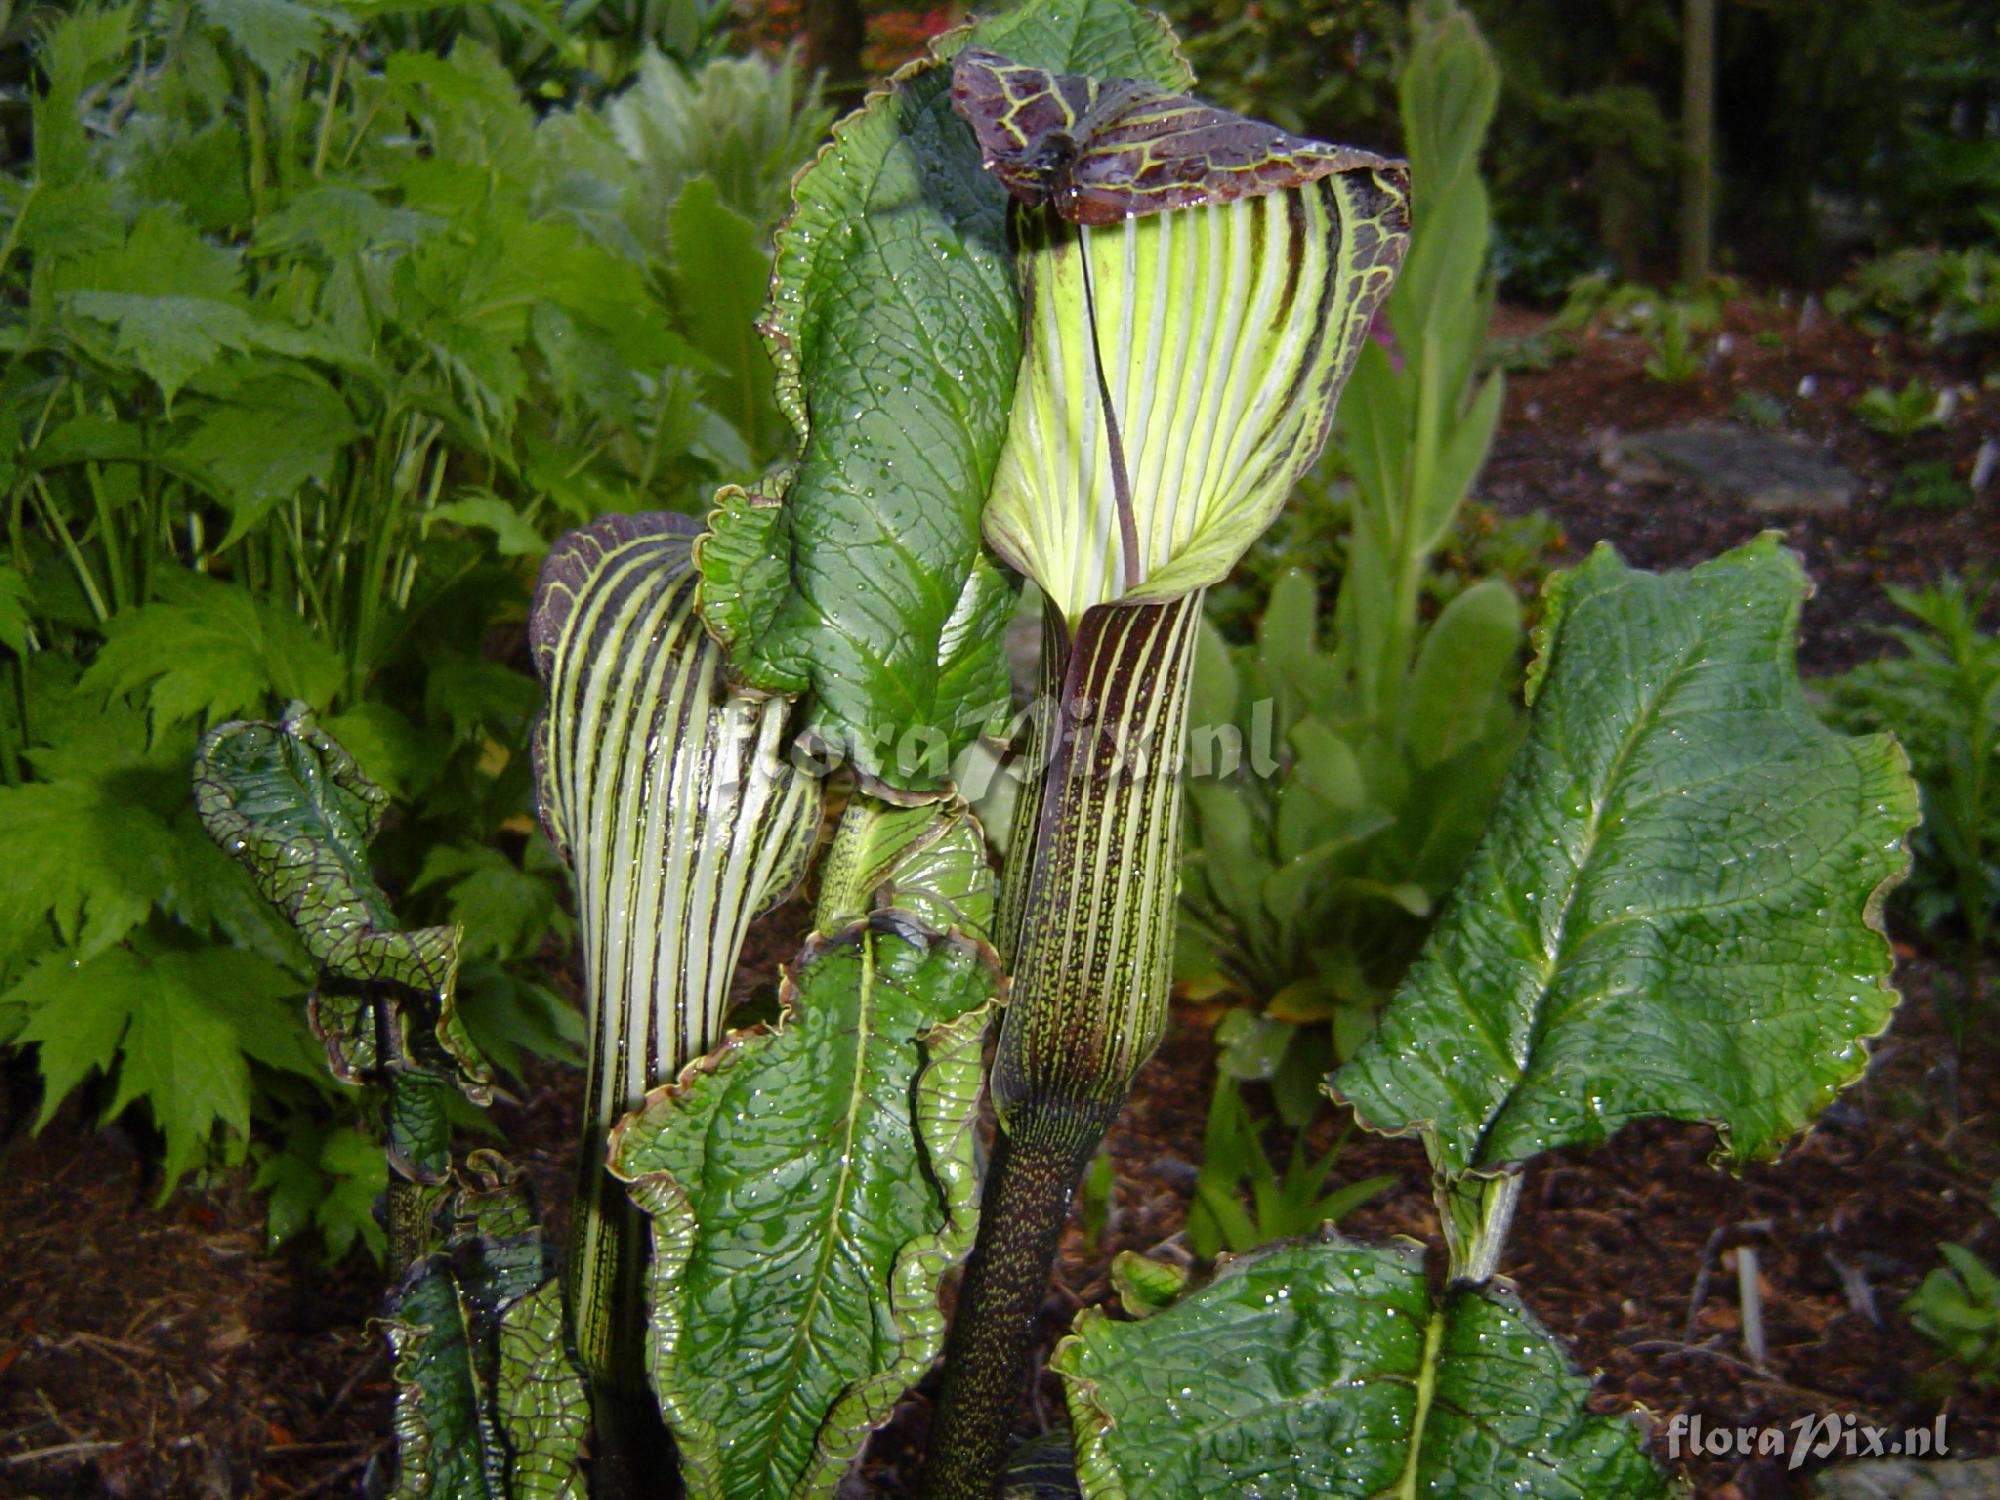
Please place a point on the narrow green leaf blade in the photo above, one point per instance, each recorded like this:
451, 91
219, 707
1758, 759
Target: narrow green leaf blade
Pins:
895, 323
1324, 1371
1460, 668
809, 1187
1676, 910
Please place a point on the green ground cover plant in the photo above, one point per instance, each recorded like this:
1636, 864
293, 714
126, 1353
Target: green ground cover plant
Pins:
1036, 314
310, 345
1941, 698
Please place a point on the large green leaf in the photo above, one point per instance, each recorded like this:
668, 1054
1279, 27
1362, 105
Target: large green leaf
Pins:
809, 1186
1325, 1371
1676, 909
895, 325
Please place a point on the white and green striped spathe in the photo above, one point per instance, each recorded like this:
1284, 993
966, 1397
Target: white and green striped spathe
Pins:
681, 818
1221, 335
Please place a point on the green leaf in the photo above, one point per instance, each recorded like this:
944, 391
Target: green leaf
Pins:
275, 33
502, 908
273, 437
81, 857
809, 1187
339, 223
15, 622
289, 804
927, 862
1463, 663
1325, 1371
895, 323
183, 1025
1676, 909
488, 1406
209, 651
721, 276
514, 535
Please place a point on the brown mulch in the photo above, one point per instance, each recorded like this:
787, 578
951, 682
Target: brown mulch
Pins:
157, 1352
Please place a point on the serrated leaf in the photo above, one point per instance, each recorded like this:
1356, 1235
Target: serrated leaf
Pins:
1324, 1371
209, 651
503, 909
1676, 909
82, 857
341, 222
183, 1025
275, 33
514, 535
809, 1187
272, 438
895, 322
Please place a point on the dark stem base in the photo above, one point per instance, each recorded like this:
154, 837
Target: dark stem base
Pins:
1028, 1185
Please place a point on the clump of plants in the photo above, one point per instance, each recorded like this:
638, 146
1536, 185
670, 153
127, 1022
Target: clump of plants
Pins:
311, 345
1948, 297
1901, 413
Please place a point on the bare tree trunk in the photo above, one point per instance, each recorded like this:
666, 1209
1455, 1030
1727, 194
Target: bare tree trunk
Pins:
1697, 138
836, 33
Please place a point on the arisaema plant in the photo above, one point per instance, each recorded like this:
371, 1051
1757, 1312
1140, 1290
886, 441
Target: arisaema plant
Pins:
1038, 314
1194, 288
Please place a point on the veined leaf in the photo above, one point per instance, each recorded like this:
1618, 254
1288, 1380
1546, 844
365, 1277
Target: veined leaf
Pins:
210, 649
670, 799
81, 856
894, 322
290, 805
809, 1187
1676, 909
488, 1406
1179, 374
1325, 1371
927, 861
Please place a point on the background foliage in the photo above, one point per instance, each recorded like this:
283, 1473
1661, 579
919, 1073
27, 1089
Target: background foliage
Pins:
311, 341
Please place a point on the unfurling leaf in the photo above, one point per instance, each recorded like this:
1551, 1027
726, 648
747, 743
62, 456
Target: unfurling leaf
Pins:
289, 803
1676, 910
488, 1406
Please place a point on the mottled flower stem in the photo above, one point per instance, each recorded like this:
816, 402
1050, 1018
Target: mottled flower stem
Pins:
1029, 1181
